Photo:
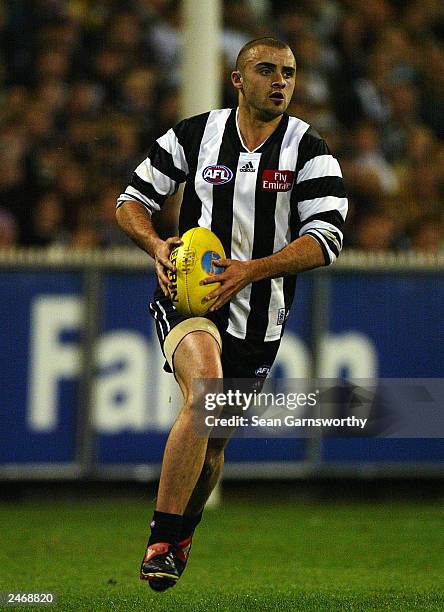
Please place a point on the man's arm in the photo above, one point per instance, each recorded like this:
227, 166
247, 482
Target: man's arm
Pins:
135, 221
155, 179
302, 254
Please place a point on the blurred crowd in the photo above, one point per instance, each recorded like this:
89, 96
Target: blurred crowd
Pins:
87, 85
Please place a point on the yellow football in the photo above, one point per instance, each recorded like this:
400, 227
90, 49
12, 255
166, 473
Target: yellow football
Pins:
193, 261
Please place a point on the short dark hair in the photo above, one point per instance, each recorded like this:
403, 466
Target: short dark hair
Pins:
267, 41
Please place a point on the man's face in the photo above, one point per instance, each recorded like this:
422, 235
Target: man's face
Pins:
266, 79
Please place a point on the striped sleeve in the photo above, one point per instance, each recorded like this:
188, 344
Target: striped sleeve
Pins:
160, 173
319, 195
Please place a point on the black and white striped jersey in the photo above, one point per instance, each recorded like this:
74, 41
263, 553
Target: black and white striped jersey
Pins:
256, 202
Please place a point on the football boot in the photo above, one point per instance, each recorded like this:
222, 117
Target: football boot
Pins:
159, 566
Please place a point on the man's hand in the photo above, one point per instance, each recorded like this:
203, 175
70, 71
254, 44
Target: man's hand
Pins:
302, 254
236, 276
162, 261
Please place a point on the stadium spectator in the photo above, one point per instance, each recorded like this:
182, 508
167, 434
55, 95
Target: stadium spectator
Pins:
428, 235
8, 229
79, 88
375, 232
47, 221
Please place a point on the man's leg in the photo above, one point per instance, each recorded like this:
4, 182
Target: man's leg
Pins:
196, 356
240, 360
209, 476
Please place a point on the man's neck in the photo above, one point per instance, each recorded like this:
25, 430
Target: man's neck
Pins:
253, 129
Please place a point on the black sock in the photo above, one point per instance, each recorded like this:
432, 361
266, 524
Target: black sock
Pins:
189, 524
165, 527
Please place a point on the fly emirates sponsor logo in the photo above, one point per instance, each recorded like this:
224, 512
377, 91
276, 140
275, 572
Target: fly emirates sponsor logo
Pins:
277, 180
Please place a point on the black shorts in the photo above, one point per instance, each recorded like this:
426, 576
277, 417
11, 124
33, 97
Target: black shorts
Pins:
240, 358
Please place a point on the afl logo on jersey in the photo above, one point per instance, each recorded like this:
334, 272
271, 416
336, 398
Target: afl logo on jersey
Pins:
217, 175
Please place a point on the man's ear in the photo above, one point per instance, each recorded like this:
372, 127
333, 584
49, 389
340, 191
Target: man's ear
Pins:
236, 79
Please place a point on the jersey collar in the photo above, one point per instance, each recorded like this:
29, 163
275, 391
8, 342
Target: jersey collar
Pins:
264, 145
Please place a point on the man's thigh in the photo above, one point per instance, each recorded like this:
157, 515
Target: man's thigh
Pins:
197, 356
172, 328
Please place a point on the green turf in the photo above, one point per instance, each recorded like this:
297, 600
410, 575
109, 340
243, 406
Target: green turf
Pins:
248, 555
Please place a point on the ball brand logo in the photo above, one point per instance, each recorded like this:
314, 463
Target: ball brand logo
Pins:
217, 175
277, 180
172, 277
207, 262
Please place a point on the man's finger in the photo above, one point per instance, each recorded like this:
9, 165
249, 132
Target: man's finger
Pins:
221, 263
166, 263
215, 278
163, 278
164, 288
218, 304
214, 294
164, 284
174, 240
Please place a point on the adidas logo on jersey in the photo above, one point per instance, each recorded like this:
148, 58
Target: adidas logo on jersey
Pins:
248, 167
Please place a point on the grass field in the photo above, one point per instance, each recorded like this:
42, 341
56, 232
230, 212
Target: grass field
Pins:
251, 554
